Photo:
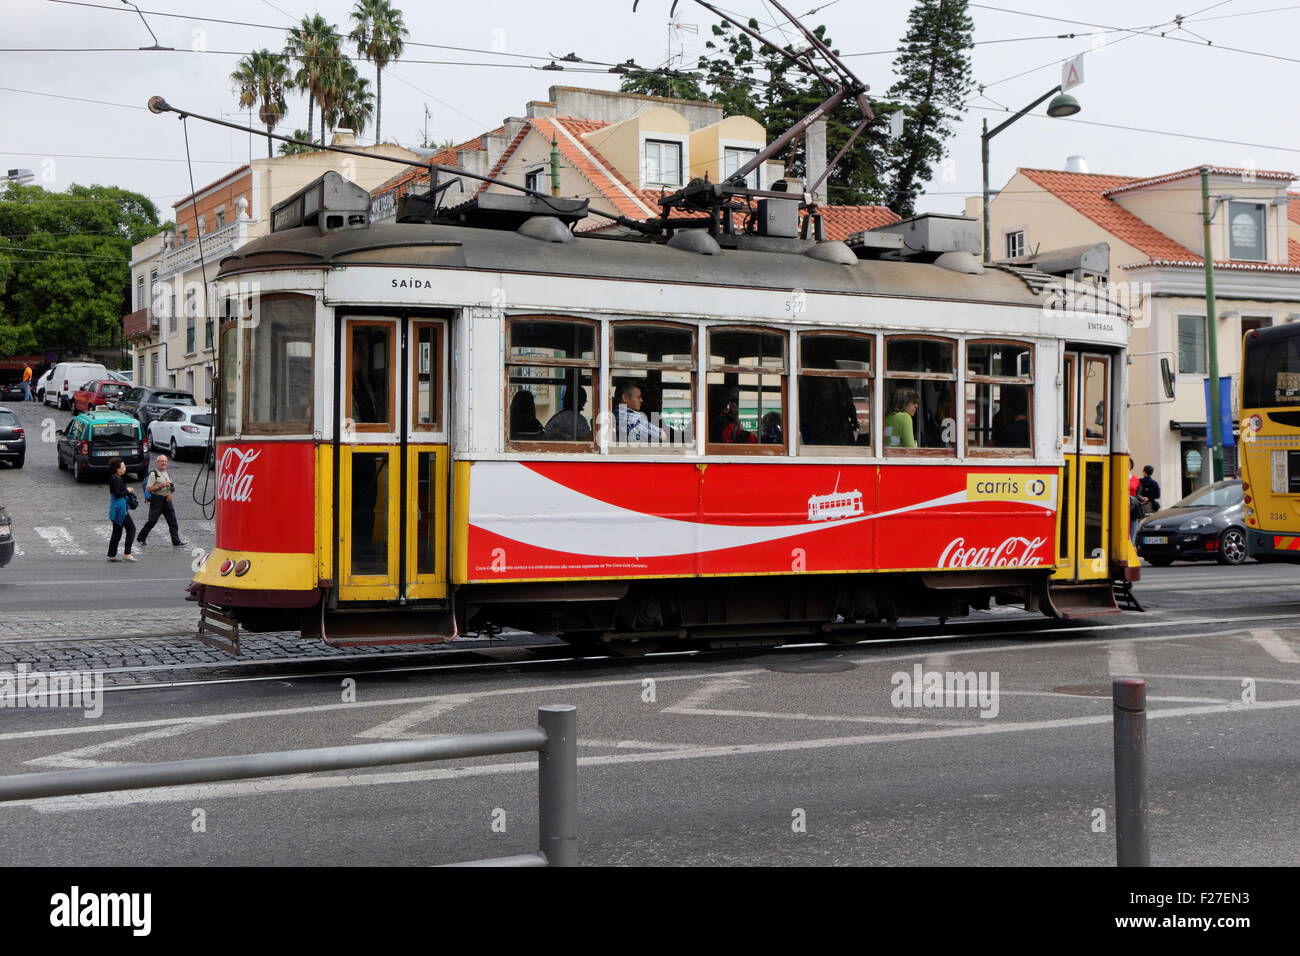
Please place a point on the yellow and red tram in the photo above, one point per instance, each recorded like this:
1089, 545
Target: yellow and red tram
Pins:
428, 428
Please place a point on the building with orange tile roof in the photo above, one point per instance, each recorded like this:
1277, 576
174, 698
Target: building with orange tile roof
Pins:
1153, 227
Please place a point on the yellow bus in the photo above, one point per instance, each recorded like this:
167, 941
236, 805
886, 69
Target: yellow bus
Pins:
1270, 442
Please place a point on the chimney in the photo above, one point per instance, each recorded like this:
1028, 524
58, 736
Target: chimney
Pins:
343, 137
1076, 164
815, 150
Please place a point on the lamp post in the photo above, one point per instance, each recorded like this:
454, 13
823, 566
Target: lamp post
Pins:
1063, 105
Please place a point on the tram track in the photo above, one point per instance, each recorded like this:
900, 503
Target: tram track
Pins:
548, 654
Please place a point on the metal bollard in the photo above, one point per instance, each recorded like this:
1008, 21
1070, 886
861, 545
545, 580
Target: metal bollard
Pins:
1132, 843
557, 785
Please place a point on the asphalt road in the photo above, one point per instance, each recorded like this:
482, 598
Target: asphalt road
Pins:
62, 529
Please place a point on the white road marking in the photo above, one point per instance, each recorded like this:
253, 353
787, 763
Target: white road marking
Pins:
57, 537
1278, 648
399, 728
695, 699
184, 794
636, 745
81, 757
831, 718
1121, 657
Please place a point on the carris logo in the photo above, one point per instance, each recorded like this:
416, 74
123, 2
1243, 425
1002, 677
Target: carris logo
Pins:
235, 481
1015, 552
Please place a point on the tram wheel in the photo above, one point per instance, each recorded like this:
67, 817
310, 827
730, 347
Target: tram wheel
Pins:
633, 647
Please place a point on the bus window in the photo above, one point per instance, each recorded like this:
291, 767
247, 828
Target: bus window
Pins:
1271, 375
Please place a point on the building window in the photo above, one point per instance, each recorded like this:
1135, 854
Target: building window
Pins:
746, 391
153, 369
550, 397
733, 158
1247, 224
207, 332
1191, 345
652, 379
535, 179
221, 217
182, 235
203, 221
1016, 244
1251, 323
999, 396
172, 315
920, 381
189, 382
663, 163
191, 309
835, 406
153, 291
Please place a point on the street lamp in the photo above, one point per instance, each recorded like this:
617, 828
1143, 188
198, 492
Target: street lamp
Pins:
1063, 105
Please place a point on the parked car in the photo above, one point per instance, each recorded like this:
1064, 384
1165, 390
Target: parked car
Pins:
183, 428
39, 386
13, 439
92, 394
6, 538
67, 377
1208, 523
146, 404
92, 439
12, 392
123, 375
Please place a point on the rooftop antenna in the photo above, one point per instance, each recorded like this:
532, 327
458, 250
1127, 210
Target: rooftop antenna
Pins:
836, 78
427, 117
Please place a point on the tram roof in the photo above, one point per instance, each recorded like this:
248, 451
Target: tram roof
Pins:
432, 245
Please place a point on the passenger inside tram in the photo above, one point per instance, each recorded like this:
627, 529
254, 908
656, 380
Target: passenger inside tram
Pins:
523, 417
828, 414
725, 426
631, 424
900, 429
1012, 423
569, 424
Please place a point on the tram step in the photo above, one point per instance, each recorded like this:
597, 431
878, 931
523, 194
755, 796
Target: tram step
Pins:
219, 630
383, 627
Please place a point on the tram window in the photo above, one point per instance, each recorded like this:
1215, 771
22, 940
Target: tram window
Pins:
549, 399
652, 383
426, 370
999, 397
1067, 401
835, 406
370, 375
369, 538
920, 396
745, 388
228, 362
278, 366
1094, 400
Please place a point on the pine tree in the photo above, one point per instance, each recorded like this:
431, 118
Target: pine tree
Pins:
934, 78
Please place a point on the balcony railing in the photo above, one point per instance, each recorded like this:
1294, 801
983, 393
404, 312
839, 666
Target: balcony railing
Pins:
138, 323
215, 243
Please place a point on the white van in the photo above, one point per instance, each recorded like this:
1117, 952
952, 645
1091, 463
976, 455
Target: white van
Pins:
67, 377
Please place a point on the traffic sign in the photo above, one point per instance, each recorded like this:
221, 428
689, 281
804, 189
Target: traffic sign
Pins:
1072, 73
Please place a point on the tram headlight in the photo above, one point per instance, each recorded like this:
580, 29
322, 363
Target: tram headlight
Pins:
226, 567
242, 566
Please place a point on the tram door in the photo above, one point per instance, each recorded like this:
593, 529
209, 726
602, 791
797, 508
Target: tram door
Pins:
1085, 485
392, 514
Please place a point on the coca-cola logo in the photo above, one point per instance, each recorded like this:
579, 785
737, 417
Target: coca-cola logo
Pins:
234, 480
1015, 552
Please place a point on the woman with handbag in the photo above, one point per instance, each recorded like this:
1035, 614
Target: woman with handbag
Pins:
120, 502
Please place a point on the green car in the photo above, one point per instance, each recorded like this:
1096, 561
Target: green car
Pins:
93, 439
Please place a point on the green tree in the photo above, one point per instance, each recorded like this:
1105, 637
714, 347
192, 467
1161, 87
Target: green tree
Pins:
378, 31
289, 149
345, 97
312, 40
934, 79
649, 83
65, 264
261, 79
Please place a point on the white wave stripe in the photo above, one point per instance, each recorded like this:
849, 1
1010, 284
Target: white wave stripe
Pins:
516, 502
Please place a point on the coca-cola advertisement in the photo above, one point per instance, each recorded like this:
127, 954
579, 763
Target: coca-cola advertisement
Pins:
555, 520
266, 497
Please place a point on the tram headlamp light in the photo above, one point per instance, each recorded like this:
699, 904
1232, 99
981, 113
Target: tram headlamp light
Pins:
1193, 524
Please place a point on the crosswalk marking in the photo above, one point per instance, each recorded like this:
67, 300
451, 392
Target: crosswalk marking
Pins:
1278, 648
1122, 658
57, 537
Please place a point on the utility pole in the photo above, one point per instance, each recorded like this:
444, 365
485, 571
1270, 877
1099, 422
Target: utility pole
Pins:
1214, 433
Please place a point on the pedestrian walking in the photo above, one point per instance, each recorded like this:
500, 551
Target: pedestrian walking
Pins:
1136, 502
160, 488
27, 384
119, 512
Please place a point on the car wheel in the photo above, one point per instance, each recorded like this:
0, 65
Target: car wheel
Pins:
172, 452
1232, 546
21, 458
1160, 562
78, 473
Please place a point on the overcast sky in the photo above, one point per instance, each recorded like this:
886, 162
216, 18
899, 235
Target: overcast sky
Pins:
1173, 84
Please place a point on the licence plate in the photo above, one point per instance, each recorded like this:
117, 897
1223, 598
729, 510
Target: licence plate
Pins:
1160, 540
104, 454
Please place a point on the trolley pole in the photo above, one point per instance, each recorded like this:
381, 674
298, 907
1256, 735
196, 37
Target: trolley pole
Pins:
1132, 844
557, 785
1215, 431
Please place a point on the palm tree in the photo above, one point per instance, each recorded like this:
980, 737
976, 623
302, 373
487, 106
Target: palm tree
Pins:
289, 149
350, 102
378, 31
310, 43
261, 79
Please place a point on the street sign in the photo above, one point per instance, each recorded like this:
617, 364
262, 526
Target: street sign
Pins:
1072, 73
1225, 410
